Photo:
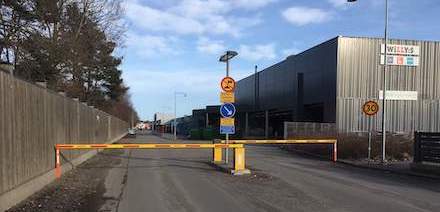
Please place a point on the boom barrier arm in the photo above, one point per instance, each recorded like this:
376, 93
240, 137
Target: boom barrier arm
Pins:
217, 150
333, 142
237, 145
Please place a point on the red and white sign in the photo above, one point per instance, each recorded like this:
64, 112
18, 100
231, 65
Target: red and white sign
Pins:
393, 49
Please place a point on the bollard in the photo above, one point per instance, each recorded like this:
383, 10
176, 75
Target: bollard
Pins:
57, 163
217, 152
335, 151
240, 162
217, 155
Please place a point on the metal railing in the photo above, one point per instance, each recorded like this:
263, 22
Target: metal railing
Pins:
426, 147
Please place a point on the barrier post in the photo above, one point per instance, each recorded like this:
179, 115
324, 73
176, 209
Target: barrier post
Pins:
240, 162
217, 155
57, 163
335, 151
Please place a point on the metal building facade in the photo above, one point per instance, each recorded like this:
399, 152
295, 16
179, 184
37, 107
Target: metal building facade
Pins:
276, 88
331, 81
359, 78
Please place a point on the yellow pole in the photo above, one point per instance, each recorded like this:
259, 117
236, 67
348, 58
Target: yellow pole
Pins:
217, 154
239, 160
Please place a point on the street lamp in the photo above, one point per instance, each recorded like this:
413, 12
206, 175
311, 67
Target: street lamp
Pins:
175, 112
385, 67
225, 59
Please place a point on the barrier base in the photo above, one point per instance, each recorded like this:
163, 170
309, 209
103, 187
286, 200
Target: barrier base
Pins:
217, 162
240, 172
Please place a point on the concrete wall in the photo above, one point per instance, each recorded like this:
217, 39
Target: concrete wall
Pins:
33, 119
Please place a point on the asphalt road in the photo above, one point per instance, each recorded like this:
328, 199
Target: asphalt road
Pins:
183, 180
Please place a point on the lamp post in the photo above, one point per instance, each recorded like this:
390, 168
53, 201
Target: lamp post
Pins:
175, 112
384, 82
225, 59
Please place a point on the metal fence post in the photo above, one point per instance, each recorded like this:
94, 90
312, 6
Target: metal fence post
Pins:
417, 145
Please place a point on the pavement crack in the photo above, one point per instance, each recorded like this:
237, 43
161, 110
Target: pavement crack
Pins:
124, 181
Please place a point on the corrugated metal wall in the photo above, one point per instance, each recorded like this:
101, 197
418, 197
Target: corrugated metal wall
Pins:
33, 119
360, 78
277, 85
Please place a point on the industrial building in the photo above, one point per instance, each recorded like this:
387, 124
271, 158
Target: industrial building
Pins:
202, 124
330, 82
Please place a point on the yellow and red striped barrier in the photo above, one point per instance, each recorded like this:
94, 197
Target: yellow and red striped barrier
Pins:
146, 146
237, 145
293, 141
333, 142
239, 150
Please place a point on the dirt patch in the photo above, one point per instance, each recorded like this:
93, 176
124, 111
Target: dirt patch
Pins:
81, 189
269, 193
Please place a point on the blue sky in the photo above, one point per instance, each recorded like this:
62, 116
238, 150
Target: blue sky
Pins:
174, 45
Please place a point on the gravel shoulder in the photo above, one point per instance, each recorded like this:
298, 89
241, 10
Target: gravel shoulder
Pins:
81, 189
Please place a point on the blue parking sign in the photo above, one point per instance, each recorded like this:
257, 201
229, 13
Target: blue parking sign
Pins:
227, 129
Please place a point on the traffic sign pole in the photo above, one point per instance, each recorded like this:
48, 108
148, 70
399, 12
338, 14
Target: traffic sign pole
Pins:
228, 85
369, 138
370, 109
227, 134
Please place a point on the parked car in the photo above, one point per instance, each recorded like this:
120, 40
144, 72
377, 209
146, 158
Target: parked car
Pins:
131, 133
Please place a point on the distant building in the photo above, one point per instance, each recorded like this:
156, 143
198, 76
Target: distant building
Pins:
161, 118
331, 81
206, 122
159, 121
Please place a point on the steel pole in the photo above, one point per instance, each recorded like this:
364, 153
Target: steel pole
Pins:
369, 138
227, 135
175, 116
385, 66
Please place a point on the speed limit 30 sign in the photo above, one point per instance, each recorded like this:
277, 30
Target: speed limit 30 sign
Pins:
370, 108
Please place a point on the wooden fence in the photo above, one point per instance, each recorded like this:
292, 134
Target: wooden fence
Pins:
33, 119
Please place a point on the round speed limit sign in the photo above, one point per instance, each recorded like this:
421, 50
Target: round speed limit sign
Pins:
370, 108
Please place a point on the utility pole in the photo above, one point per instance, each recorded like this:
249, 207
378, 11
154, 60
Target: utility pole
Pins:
255, 88
385, 67
384, 83
175, 113
175, 117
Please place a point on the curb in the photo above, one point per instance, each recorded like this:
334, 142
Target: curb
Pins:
342, 161
413, 174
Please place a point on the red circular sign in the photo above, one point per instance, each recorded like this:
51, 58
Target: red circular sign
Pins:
370, 108
227, 84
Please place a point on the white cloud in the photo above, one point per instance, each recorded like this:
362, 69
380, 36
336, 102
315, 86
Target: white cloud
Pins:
151, 46
157, 20
200, 9
257, 52
195, 17
341, 4
290, 51
301, 16
252, 4
206, 45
